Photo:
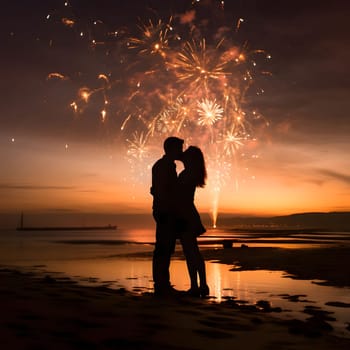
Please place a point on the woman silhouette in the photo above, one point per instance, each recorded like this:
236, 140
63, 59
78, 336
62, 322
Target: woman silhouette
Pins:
190, 225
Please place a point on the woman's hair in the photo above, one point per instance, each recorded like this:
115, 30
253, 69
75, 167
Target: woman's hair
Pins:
194, 158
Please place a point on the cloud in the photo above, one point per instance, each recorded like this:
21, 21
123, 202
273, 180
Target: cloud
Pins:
335, 175
89, 175
62, 210
34, 187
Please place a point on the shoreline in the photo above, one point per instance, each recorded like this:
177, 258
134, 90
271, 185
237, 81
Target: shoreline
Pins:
39, 311
324, 263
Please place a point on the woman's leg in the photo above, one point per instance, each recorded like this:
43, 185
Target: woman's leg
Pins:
200, 265
195, 264
188, 242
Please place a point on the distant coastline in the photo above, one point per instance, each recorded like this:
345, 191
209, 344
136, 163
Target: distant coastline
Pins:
318, 222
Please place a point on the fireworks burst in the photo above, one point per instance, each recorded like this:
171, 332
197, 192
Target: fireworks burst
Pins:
209, 111
138, 153
173, 81
154, 39
196, 65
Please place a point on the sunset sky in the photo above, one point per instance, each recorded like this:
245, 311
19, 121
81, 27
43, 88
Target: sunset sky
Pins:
55, 161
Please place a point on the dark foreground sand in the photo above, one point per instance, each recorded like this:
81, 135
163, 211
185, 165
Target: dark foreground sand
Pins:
42, 312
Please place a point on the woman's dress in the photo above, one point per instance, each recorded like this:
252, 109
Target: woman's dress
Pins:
189, 218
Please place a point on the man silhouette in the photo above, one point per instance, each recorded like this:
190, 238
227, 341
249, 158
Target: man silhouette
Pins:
164, 192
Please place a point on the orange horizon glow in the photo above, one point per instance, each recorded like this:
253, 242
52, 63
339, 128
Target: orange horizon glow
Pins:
90, 179
43, 175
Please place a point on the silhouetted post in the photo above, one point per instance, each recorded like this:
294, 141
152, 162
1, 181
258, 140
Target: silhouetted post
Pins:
227, 243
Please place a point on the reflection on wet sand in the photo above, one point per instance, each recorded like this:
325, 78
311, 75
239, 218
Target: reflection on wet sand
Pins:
256, 274
245, 287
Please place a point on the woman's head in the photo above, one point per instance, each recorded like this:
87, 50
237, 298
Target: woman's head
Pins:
193, 160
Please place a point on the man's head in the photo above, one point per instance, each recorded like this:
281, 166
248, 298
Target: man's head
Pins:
173, 147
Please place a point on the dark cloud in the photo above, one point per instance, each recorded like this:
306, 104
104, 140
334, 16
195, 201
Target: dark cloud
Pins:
335, 175
87, 191
34, 187
62, 210
43, 188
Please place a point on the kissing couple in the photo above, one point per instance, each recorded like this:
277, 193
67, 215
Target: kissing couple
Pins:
176, 216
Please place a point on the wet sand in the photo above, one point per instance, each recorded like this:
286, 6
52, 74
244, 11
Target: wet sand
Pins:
328, 265
39, 311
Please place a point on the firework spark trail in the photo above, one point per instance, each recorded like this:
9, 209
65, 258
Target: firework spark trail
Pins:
154, 39
187, 86
57, 76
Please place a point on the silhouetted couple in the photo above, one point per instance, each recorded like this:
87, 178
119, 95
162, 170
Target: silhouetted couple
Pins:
176, 215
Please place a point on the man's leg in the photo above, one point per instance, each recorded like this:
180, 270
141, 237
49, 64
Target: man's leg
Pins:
164, 247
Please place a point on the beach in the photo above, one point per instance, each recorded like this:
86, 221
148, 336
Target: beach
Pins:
50, 307
41, 312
